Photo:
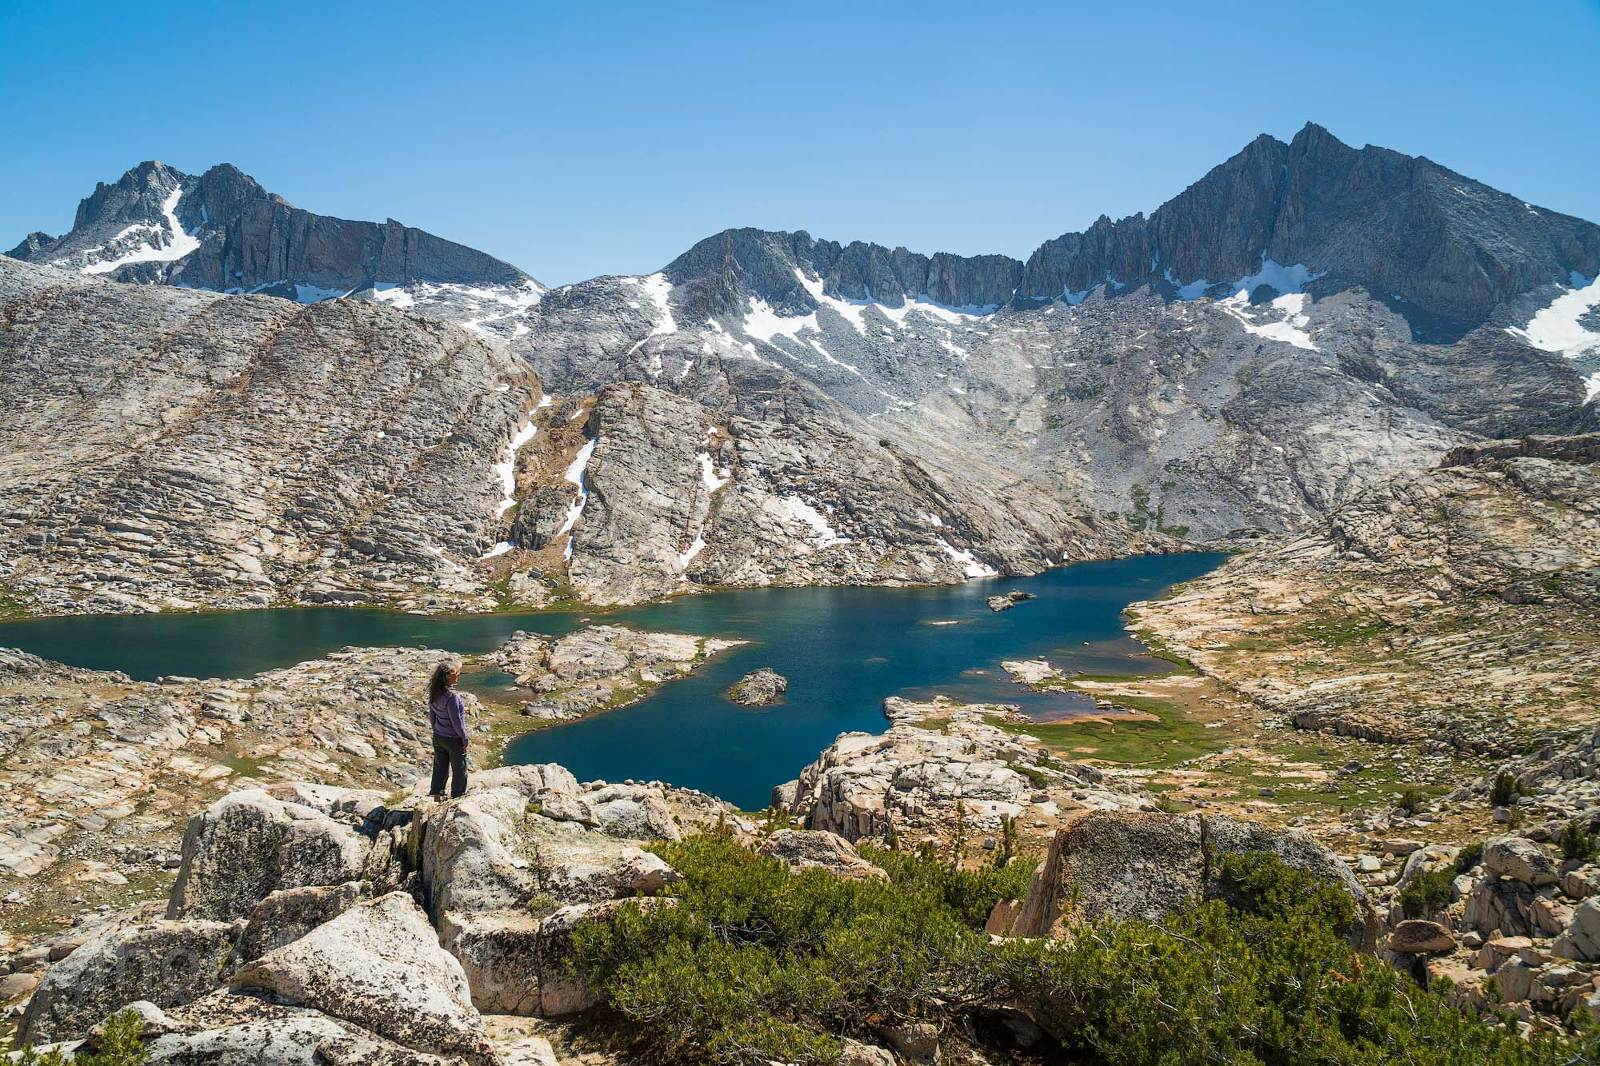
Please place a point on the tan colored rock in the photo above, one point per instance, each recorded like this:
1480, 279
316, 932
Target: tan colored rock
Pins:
1119, 865
1418, 937
801, 849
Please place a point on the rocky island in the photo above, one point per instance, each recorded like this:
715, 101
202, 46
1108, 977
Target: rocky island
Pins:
759, 688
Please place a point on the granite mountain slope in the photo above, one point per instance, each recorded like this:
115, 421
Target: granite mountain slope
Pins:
173, 448
773, 407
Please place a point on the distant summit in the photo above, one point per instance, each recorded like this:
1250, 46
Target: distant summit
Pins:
223, 231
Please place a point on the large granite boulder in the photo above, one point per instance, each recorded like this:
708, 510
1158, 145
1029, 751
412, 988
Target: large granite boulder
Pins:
166, 962
801, 849
1519, 859
248, 845
1121, 865
377, 966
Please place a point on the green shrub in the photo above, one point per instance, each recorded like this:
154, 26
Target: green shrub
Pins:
1505, 789
1268, 982
1577, 843
1469, 856
1428, 893
118, 1046
757, 963
1411, 800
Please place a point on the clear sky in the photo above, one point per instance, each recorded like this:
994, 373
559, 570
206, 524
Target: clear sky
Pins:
576, 139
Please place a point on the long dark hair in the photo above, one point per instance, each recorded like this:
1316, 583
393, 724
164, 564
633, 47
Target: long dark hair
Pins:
439, 684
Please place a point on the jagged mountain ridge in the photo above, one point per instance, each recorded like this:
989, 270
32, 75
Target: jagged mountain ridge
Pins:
1398, 226
222, 231
1256, 405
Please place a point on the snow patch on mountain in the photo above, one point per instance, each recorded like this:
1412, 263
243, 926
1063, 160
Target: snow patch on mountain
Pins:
506, 471
970, 564
712, 478
1559, 327
797, 509
1291, 329
1285, 279
163, 246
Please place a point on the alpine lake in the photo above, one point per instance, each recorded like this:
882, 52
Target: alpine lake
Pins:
843, 651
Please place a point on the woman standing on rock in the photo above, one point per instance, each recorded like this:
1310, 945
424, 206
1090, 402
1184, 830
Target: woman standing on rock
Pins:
447, 714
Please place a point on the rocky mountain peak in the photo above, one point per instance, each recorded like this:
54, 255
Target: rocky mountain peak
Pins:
1442, 246
719, 274
222, 230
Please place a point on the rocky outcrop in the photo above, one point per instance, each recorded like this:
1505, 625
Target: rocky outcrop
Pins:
1119, 865
512, 868
942, 764
1453, 606
599, 667
803, 849
167, 963
128, 761
249, 845
315, 958
677, 495
378, 966
759, 688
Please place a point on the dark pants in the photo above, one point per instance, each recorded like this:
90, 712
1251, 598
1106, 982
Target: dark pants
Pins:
449, 760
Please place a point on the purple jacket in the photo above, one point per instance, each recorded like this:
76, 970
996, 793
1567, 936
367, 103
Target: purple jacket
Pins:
448, 715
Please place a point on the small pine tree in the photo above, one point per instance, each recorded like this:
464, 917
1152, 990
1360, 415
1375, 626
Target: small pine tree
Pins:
958, 841
1008, 843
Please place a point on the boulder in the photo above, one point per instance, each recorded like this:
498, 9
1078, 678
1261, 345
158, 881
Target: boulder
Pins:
1506, 906
1519, 859
499, 954
377, 966
289, 914
1120, 865
166, 962
802, 848
1584, 933
759, 688
571, 864
468, 852
633, 812
237, 1029
1417, 937
248, 845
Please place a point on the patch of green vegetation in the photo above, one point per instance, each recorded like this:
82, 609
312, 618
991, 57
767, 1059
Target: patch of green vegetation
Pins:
1165, 739
758, 963
1343, 630
244, 765
117, 1045
1577, 843
1505, 789
1428, 893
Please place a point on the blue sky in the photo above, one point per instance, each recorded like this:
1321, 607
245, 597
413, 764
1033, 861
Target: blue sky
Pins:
576, 139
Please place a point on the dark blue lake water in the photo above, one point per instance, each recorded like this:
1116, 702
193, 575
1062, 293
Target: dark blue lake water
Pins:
843, 650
